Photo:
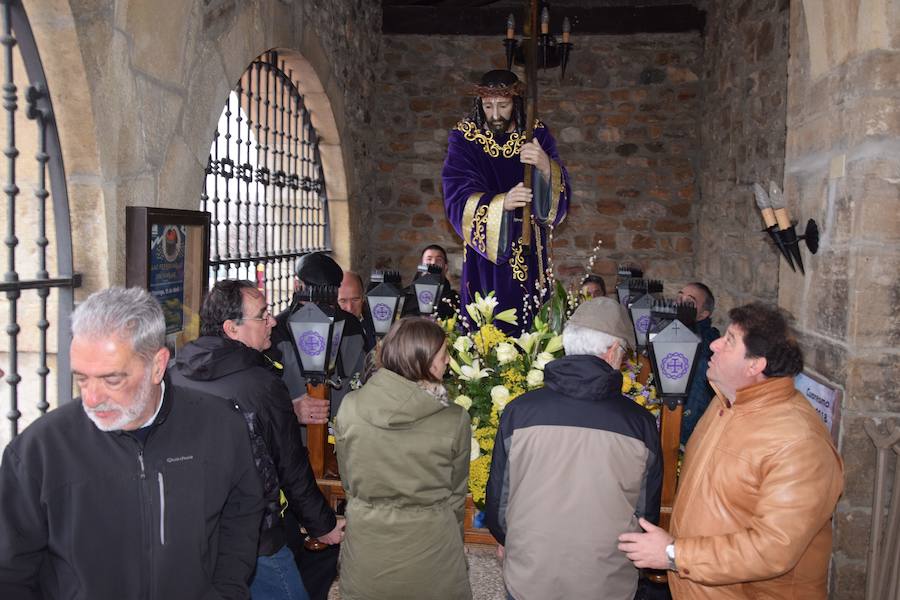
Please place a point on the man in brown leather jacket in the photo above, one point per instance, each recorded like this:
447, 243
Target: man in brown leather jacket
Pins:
761, 478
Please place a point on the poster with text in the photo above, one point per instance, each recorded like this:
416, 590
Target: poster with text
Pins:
166, 275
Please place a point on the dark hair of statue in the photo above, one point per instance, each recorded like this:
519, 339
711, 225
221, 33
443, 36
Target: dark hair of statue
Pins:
223, 302
768, 335
410, 346
518, 115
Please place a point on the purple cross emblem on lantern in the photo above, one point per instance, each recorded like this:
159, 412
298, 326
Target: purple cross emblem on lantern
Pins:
643, 324
675, 365
381, 312
426, 297
311, 342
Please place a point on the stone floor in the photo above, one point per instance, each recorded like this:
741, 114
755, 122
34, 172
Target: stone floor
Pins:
484, 574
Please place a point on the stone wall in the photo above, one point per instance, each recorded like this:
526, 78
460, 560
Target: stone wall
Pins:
140, 87
742, 131
842, 166
625, 121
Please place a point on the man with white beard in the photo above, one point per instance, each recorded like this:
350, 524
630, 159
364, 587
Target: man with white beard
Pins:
137, 489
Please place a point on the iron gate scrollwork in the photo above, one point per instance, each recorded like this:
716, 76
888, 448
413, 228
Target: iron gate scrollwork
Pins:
264, 187
19, 44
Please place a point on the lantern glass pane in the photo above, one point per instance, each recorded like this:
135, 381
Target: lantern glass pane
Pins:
383, 309
311, 339
426, 294
336, 336
674, 352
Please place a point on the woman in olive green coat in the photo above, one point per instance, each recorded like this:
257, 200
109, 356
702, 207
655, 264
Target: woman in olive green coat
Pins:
403, 452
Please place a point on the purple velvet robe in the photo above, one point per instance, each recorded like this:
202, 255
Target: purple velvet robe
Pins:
480, 168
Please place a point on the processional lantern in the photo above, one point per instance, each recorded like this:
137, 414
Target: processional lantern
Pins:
385, 298
317, 328
550, 52
673, 358
624, 275
642, 294
429, 288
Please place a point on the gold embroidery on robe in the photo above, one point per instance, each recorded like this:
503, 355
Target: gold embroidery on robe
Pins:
494, 220
469, 215
519, 268
479, 228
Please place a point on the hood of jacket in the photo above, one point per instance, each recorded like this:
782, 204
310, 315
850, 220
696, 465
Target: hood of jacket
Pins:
394, 402
211, 357
582, 376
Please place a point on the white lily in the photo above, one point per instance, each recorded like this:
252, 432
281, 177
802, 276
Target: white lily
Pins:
507, 316
554, 345
473, 372
526, 341
463, 343
454, 365
482, 310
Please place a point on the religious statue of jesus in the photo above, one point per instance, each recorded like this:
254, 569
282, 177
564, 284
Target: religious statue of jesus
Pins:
484, 195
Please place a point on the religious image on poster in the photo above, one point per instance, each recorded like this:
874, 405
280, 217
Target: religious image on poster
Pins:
166, 277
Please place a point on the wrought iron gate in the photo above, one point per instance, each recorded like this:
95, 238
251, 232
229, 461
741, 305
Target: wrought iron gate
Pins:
264, 188
33, 173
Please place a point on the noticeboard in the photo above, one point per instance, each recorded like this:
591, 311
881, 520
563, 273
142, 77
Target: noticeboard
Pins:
167, 253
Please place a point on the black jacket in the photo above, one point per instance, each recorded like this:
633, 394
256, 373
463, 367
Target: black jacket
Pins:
231, 370
87, 514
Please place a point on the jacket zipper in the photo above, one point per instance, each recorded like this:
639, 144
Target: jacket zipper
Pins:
162, 509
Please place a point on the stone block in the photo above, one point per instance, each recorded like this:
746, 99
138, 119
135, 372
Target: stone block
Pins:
872, 378
849, 581
876, 321
873, 190
852, 528
158, 32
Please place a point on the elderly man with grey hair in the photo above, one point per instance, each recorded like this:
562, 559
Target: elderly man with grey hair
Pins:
574, 463
135, 490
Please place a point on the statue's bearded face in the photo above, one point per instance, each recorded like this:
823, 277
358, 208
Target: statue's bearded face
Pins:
498, 110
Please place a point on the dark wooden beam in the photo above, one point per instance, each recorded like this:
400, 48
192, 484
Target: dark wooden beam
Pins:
609, 20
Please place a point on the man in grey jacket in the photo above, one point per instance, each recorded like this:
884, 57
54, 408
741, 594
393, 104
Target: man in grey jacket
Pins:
574, 463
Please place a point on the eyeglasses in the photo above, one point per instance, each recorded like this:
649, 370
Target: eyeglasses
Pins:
266, 316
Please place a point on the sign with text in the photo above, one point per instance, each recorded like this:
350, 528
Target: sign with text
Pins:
823, 396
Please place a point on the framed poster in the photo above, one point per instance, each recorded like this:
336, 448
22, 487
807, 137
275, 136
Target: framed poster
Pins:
167, 253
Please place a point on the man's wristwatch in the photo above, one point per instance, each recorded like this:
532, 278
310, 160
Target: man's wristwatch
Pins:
670, 556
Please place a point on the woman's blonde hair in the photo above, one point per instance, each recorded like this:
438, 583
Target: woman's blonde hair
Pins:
410, 346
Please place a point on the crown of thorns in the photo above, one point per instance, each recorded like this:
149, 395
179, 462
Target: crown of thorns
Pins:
500, 83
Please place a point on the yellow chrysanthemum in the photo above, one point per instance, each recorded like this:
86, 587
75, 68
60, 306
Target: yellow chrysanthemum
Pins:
486, 338
485, 437
479, 470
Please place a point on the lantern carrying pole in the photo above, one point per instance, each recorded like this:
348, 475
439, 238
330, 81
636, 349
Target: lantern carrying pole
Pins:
531, 103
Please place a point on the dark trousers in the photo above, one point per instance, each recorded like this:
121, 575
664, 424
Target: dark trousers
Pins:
318, 569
